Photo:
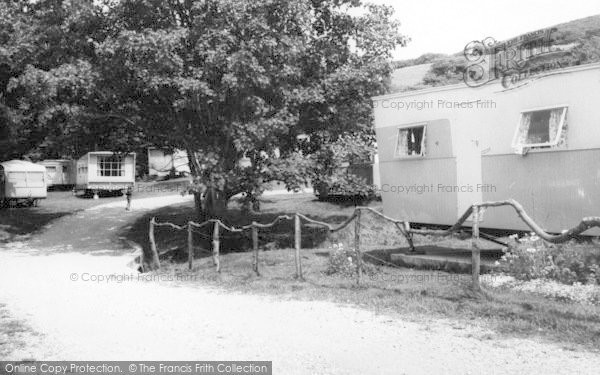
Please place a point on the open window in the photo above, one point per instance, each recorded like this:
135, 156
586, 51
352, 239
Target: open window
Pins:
410, 141
539, 129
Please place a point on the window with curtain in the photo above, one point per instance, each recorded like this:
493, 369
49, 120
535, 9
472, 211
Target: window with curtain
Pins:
410, 141
110, 166
540, 129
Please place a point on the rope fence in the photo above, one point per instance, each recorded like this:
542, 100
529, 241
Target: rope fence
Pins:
150, 260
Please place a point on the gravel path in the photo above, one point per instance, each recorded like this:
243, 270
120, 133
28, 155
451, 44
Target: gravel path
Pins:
123, 317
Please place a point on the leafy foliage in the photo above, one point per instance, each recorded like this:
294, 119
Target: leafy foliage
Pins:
338, 166
343, 262
531, 258
224, 80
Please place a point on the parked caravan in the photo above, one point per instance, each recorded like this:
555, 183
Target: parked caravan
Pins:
162, 163
369, 172
60, 172
21, 182
101, 171
536, 141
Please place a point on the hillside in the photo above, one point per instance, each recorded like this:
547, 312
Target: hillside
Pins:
573, 43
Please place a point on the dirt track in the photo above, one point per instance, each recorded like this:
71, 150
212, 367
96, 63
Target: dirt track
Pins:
121, 317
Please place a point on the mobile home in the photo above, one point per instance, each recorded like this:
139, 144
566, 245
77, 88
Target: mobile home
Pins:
162, 162
537, 141
105, 171
59, 172
22, 181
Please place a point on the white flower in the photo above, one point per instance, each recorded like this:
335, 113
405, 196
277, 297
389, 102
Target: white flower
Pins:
531, 250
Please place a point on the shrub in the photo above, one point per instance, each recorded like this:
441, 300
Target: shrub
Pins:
530, 258
343, 262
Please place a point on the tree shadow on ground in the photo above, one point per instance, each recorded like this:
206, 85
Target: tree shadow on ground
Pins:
20, 223
281, 235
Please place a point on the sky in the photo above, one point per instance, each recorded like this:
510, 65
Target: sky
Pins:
446, 26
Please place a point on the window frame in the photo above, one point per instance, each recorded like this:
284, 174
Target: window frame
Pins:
410, 126
548, 144
82, 169
102, 161
16, 182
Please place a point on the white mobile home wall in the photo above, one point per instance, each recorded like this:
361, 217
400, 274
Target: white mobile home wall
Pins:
22, 180
473, 147
60, 172
88, 177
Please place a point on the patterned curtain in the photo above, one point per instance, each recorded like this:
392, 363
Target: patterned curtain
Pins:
554, 124
402, 146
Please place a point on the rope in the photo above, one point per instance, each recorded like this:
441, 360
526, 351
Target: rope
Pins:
585, 224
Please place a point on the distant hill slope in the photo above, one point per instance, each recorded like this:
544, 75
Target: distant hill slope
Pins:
576, 42
408, 78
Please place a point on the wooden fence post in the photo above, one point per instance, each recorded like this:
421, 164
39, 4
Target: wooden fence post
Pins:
190, 241
357, 248
475, 251
216, 245
151, 261
255, 247
409, 237
297, 244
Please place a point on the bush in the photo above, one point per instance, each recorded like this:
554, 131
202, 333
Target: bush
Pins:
344, 168
343, 262
532, 258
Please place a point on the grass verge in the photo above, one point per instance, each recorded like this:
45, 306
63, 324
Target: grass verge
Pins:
11, 333
417, 295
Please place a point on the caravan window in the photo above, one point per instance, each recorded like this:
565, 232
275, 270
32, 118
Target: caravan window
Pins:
35, 179
410, 141
540, 128
18, 179
110, 166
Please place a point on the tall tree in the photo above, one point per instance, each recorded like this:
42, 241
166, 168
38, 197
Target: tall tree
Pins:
225, 80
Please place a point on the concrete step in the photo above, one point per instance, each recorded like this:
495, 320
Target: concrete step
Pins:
445, 259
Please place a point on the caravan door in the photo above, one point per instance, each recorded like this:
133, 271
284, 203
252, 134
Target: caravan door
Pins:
468, 168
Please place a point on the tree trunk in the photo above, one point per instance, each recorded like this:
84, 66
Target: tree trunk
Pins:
215, 203
200, 213
212, 203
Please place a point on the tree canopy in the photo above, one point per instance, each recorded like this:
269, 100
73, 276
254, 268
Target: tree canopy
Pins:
221, 79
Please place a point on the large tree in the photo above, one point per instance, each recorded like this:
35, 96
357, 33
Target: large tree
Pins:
223, 80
